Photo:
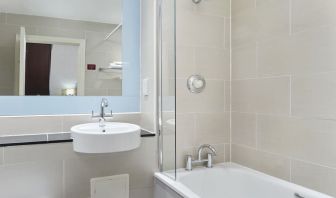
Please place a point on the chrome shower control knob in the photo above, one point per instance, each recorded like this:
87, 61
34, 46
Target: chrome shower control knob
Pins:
196, 84
196, 1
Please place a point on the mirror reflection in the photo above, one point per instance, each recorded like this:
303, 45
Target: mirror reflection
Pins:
61, 48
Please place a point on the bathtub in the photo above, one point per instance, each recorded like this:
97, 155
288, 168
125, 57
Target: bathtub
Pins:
227, 180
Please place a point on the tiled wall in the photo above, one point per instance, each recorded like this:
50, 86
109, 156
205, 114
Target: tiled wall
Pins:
98, 51
203, 47
56, 171
283, 89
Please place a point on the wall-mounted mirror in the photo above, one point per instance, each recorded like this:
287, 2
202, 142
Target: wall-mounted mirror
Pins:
61, 48
69, 48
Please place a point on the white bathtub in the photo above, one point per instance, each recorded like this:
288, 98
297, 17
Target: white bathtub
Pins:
228, 180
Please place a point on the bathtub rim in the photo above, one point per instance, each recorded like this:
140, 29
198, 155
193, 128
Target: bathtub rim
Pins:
184, 191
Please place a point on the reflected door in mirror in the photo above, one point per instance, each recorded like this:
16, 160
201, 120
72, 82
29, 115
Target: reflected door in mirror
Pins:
38, 61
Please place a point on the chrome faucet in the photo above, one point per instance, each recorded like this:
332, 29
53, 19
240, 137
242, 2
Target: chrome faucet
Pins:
209, 160
102, 115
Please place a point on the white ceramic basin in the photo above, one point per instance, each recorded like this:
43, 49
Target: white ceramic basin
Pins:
113, 137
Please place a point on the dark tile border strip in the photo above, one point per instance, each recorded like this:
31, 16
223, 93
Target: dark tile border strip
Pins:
51, 138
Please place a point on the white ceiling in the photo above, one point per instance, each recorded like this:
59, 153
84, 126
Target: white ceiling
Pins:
104, 11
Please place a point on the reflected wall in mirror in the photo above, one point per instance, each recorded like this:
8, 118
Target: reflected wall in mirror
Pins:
61, 48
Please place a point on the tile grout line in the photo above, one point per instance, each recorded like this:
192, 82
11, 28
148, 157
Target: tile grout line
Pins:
290, 170
286, 157
256, 130
290, 95
3, 155
63, 178
230, 85
290, 18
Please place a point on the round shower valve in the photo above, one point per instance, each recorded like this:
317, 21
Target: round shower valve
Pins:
196, 84
196, 1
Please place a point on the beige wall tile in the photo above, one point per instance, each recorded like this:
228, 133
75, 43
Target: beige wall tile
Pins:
210, 100
275, 57
186, 128
139, 163
33, 153
239, 6
311, 14
1, 155
227, 156
32, 179
200, 30
307, 139
272, 18
244, 29
227, 38
244, 129
291, 73
244, 62
259, 20
273, 95
185, 62
312, 95
2, 17
212, 128
243, 95
184, 6
265, 95
270, 164
220, 153
214, 8
30, 125
212, 63
303, 53
141, 193
227, 98
316, 177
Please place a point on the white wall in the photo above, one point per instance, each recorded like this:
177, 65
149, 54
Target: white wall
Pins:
148, 64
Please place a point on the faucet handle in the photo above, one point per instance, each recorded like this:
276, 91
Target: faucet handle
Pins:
93, 115
189, 163
110, 115
210, 160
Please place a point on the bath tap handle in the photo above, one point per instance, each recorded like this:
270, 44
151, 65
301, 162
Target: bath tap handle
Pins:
209, 162
189, 163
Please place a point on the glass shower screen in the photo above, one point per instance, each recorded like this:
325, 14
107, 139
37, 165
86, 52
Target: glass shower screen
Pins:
166, 84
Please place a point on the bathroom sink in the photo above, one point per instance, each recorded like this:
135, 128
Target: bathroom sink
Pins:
112, 137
